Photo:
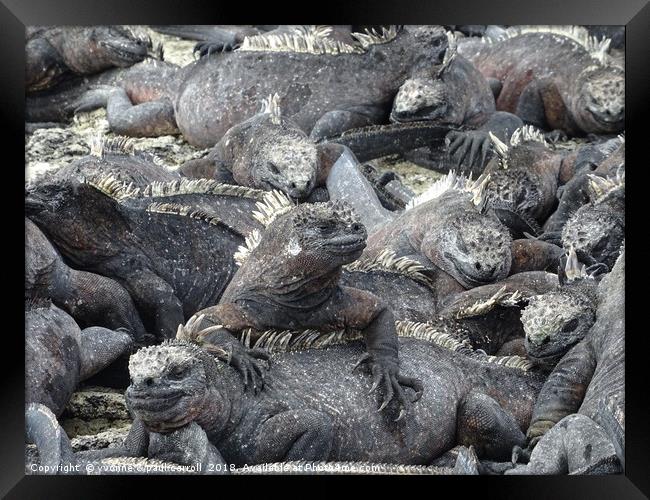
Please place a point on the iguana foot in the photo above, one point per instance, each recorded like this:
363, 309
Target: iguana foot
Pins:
556, 136
94, 98
247, 363
475, 143
385, 374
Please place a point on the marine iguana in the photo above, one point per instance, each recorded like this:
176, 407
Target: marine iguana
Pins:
458, 95
91, 299
600, 159
55, 53
576, 90
206, 98
172, 259
58, 355
288, 421
557, 320
289, 279
589, 379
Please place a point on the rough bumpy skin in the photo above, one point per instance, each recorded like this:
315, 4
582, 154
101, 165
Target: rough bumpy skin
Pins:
596, 230
53, 53
460, 246
58, 355
290, 280
173, 260
316, 407
323, 93
590, 378
552, 81
91, 299
266, 151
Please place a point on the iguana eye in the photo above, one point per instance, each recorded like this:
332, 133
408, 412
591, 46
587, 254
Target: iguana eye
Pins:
273, 169
571, 325
460, 244
178, 372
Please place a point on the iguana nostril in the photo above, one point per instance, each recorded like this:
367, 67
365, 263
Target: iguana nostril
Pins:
148, 381
477, 265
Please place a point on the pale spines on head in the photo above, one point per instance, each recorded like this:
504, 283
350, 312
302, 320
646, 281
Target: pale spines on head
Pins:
273, 204
271, 106
573, 269
602, 186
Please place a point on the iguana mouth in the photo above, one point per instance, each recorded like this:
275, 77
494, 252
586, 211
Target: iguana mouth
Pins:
131, 53
152, 402
550, 357
345, 245
601, 119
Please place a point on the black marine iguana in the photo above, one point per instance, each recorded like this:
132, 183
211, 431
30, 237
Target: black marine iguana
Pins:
289, 279
91, 299
306, 69
463, 400
172, 259
589, 379
58, 355
556, 78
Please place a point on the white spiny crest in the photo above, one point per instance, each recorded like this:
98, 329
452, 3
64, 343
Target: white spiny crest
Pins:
305, 39
429, 333
601, 186
372, 37
271, 105
525, 134
500, 297
598, 49
451, 181
250, 243
387, 260
573, 269
184, 211
501, 149
450, 53
112, 186
274, 204
101, 145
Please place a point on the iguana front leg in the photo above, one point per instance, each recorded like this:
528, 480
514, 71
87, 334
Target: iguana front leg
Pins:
213, 327
363, 310
294, 435
148, 119
563, 391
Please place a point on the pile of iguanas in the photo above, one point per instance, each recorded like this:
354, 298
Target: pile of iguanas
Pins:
280, 303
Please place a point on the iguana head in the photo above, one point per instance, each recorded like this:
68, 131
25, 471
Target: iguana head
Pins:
473, 248
320, 236
556, 321
91, 49
597, 230
424, 96
170, 385
600, 104
271, 152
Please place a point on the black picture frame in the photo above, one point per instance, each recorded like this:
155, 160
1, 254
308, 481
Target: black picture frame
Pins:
635, 14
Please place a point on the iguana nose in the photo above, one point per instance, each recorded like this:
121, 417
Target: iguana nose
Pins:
299, 189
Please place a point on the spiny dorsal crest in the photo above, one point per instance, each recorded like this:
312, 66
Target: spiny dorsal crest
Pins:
372, 37
525, 134
602, 186
101, 145
271, 105
251, 242
501, 297
184, 211
111, 186
387, 260
273, 204
450, 53
598, 49
190, 335
198, 186
276, 341
304, 39
155, 360
573, 269
450, 182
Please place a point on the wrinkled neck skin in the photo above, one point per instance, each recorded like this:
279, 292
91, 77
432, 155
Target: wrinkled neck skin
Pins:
223, 405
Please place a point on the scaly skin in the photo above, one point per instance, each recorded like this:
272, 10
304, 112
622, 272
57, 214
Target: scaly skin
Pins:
142, 249
290, 280
54, 53
213, 94
91, 299
58, 355
590, 378
330, 416
552, 82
